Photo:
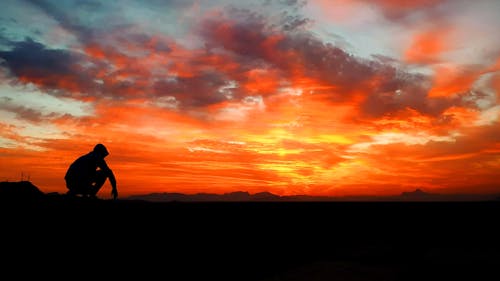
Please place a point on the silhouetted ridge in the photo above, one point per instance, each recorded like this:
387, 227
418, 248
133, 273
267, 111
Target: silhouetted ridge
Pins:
25, 193
19, 190
265, 196
240, 196
207, 197
418, 193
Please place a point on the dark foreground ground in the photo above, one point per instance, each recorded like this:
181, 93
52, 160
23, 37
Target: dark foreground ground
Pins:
56, 237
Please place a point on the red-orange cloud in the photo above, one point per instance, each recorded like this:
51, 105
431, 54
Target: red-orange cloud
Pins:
427, 46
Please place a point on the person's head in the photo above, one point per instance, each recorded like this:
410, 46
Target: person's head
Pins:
101, 150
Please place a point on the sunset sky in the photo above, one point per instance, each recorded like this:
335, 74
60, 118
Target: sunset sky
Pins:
319, 97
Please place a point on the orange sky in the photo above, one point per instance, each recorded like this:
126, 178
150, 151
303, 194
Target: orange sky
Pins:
303, 97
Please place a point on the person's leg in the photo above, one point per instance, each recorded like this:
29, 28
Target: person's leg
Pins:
73, 188
99, 180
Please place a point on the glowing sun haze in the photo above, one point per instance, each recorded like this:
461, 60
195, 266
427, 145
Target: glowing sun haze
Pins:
319, 97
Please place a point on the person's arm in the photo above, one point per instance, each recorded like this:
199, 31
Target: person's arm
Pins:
112, 180
104, 166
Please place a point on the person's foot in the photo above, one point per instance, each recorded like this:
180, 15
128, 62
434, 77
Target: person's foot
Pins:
71, 193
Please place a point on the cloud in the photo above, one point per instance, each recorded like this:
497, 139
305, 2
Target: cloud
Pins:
294, 54
66, 21
55, 69
29, 104
427, 46
407, 139
22, 112
299, 56
240, 44
402, 9
489, 116
104, 71
198, 90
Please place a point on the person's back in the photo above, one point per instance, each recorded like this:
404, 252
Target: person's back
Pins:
82, 168
87, 174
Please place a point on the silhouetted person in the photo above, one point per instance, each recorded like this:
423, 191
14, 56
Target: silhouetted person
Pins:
88, 173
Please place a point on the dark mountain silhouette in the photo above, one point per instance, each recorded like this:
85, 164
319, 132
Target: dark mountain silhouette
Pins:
23, 190
420, 195
416, 195
207, 197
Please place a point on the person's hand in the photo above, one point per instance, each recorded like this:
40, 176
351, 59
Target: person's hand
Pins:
114, 193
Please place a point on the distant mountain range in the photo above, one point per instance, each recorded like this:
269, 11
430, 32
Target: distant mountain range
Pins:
417, 195
26, 190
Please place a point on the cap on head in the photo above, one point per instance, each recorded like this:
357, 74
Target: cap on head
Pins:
101, 150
